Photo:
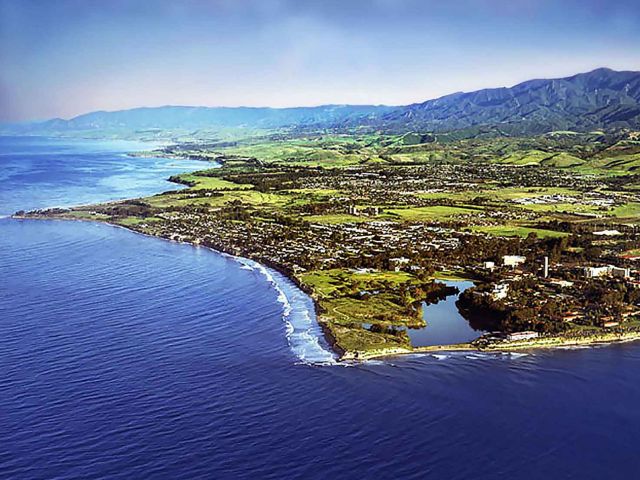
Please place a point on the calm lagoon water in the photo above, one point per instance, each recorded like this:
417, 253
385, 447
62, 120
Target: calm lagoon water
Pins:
129, 357
445, 325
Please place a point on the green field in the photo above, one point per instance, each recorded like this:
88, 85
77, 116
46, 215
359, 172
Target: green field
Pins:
248, 197
425, 214
516, 231
327, 282
629, 210
211, 183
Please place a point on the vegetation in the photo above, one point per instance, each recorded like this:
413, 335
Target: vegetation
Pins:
366, 223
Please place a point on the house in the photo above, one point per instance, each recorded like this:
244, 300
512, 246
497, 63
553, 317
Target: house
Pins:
513, 260
571, 316
489, 265
521, 335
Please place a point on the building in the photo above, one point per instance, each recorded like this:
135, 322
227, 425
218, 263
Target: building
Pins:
500, 291
521, 335
489, 265
571, 316
594, 272
513, 260
607, 233
619, 272
398, 262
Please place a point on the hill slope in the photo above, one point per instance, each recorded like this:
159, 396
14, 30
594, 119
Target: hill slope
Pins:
602, 98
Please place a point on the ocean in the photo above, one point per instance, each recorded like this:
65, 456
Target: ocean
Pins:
125, 357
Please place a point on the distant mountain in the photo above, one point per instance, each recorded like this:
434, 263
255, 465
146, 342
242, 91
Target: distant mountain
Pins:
197, 118
601, 99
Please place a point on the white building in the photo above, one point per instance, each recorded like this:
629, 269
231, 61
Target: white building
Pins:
607, 233
620, 272
489, 265
594, 272
500, 291
398, 262
522, 335
513, 260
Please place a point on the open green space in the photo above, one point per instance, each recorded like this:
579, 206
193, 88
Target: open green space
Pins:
437, 212
517, 231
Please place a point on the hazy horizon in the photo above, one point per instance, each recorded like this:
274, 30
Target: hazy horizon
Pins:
63, 59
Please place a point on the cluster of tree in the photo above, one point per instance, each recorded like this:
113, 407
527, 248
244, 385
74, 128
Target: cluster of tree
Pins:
484, 313
388, 330
607, 298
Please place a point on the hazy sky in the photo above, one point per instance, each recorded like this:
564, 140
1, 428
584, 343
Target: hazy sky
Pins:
60, 58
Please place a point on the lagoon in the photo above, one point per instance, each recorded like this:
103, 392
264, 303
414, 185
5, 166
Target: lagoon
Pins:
445, 325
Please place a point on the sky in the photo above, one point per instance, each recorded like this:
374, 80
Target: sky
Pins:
61, 58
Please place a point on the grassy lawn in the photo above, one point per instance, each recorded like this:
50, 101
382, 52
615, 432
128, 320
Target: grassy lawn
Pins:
515, 231
437, 212
628, 210
327, 282
334, 152
512, 193
212, 183
451, 276
250, 197
86, 215
515, 193
360, 339
562, 208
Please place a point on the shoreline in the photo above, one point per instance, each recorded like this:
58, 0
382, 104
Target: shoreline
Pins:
334, 351
540, 343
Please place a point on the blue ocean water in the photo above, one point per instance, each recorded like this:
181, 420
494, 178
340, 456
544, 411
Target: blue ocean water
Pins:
126, 357
38, 172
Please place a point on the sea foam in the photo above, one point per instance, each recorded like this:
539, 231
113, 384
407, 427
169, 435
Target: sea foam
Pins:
304, 335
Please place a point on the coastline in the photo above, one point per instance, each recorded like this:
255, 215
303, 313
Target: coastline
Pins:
339, 353
540, 343
335, 351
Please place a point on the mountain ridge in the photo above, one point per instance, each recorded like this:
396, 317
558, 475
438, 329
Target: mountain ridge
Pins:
600, 99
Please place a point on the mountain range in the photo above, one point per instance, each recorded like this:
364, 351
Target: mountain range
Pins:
600, 99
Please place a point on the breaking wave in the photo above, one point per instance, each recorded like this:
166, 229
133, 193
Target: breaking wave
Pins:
304, 335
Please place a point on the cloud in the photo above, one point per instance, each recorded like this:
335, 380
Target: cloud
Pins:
70, 56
